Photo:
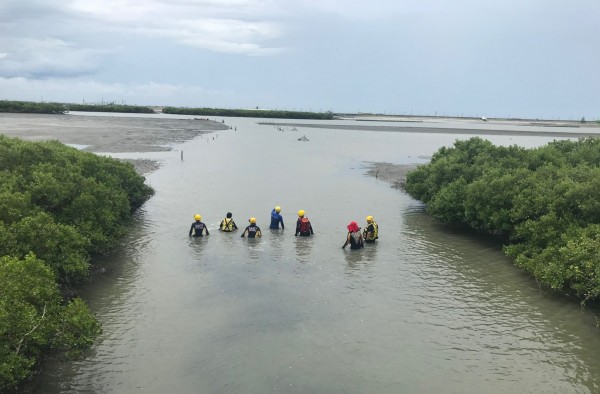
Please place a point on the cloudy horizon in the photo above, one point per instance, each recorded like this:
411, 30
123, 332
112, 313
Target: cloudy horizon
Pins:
535, 59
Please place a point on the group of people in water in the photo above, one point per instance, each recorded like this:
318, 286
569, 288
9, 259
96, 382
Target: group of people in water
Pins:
355, 238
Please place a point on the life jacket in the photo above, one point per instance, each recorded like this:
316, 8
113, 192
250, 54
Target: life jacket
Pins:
371, 236
304, 226
227, 225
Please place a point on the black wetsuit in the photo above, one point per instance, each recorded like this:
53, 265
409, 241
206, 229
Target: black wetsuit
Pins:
252, 231
355, 242
198, 228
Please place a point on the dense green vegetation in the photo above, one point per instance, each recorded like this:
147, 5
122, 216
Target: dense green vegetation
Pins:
31, 108
58, 108
58, 206
544, 202
111, 107
248, 113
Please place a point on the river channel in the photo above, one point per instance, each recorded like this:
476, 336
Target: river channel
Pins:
428, 309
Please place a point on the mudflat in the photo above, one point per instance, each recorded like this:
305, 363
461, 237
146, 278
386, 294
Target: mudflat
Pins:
108, 134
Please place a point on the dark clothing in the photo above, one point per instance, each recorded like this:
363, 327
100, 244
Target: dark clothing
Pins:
198, 228
252, 230
355, 240
304, 227
276, 218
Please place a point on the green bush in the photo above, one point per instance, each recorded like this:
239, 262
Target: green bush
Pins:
543, 202
58, 206
34, 319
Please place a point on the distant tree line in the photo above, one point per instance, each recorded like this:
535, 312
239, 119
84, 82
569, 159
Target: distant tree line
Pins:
110, 108
544, 202
248, 113
58, 206
60, 108
31, 108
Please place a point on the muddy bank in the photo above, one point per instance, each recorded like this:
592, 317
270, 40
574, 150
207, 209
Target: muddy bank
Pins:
108, 134
394, 174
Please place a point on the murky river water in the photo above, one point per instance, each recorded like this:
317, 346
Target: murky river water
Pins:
427, 309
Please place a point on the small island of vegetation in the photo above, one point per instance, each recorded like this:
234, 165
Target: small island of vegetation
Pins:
58, 207
543, 202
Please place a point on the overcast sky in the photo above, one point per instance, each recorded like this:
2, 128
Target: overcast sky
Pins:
517, 58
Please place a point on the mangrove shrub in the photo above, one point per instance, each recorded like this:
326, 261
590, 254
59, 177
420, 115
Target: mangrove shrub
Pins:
543, 202
31, 107
58, 207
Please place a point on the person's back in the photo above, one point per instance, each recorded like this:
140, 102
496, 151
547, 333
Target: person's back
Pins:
198, 228
372, 230
252, 231
303, 225
354, 237
276, 219
356, 240
228, 225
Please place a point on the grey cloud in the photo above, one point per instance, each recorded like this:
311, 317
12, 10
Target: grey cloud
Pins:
45, 58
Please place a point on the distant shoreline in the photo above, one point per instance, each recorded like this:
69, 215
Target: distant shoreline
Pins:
446, 130
470, 119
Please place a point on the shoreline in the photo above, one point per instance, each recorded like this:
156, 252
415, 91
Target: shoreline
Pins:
476, 120
394, 174
108, 134
449, 130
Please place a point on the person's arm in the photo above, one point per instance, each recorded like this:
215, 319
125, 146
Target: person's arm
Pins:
281, 220
258, 233
233, 225
311, 229
191, 229
297, 227
244, 233
206, 228
347, 241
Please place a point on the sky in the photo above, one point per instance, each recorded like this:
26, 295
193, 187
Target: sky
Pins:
509, 58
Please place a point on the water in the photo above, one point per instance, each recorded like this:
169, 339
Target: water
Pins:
429, 308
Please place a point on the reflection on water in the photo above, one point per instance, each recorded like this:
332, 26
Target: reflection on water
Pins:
428, 308
277, 241
303, 247
360, 260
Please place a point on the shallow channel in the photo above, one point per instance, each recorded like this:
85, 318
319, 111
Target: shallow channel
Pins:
427, 309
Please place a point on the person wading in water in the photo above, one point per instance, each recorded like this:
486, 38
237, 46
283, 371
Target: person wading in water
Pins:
303, 225
228, 225
354, 237
198, 228
252, 230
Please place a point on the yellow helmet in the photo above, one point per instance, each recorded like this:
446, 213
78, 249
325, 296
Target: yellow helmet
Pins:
278, 209
252, 220
301, 212
369, 218
197, 217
